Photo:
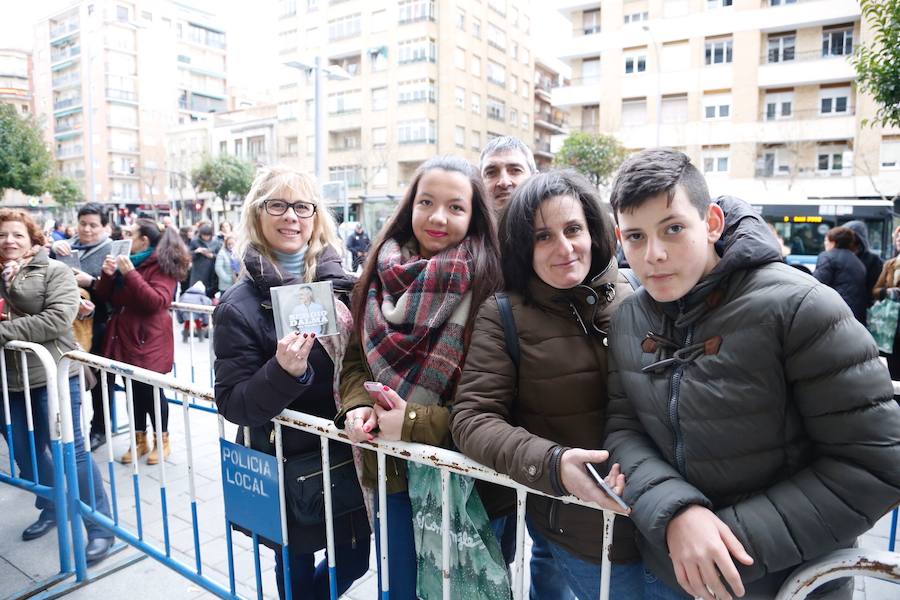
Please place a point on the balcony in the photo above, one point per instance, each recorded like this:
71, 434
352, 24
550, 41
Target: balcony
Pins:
121, 95
69, 152
806, 125
542, 150
70, 79
63, 29
556, 121
807, 68
65, 53
67, 103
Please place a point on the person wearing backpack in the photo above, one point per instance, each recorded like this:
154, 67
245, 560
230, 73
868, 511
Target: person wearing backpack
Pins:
531, 402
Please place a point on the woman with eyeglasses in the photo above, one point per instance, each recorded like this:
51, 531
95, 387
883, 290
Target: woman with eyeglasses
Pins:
286, 237
542, 420
139, 287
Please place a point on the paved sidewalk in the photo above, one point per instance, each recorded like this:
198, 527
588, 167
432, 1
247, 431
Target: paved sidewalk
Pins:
24, 563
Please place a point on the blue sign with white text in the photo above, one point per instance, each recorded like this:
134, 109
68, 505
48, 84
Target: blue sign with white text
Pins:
250, 484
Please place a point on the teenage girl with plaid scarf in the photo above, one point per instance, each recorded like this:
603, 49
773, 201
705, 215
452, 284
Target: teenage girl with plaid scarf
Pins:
432, 265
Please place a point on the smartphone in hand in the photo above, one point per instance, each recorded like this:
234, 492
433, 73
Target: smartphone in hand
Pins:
605, 487
376, 392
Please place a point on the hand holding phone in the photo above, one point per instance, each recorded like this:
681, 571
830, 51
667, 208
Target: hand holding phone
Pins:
601, 483
377, 392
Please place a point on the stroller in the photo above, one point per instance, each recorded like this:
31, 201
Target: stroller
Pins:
196, 294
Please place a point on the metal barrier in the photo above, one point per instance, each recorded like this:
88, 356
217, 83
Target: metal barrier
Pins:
193, 310
60, 452
841, 563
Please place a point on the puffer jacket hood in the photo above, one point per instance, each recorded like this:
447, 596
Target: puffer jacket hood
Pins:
746, 243
862, 233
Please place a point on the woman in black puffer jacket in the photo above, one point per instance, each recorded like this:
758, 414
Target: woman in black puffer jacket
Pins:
286, 237
839, 268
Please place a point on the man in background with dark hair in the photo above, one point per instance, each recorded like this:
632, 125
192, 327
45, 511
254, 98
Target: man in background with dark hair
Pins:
204, 248
748, 409
92, 243
506, 162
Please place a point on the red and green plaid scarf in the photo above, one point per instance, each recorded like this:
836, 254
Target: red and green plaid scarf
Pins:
416, 311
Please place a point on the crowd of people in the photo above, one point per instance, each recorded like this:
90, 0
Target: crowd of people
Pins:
736, 407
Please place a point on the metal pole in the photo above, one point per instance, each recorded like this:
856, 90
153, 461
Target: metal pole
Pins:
320, 123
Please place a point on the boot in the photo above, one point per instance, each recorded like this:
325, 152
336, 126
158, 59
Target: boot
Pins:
153, 457
143, 447
185, 334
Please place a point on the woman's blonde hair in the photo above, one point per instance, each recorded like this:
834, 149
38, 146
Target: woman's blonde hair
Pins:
271, 182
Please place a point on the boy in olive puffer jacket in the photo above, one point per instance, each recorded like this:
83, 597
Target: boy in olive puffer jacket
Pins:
748, 409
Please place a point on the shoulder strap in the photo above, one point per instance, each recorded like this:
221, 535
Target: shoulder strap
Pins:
510, 333
631, 277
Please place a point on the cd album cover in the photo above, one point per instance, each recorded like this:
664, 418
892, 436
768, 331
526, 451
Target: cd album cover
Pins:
304, 308
120, 247
73, 261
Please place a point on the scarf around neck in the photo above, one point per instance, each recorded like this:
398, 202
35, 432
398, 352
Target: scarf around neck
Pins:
416, 311
11, 267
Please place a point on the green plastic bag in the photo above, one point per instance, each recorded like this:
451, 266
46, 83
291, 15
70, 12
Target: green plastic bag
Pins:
477, 568
881, 319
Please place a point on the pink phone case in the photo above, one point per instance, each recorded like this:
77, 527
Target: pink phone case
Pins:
376, 391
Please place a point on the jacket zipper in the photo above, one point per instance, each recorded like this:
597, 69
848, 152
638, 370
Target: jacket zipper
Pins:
303, 478
675, 386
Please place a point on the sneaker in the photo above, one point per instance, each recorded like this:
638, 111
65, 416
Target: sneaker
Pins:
97, 440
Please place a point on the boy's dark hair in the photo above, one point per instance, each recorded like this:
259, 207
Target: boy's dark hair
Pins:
94, 208
842, 237
205, 229
516, 228
652, 172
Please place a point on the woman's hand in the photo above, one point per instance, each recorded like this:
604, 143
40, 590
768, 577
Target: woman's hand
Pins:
293, 351
85, 308
576, 480
109, 266
61, 248
124, 264
390, 420
83, 279
359, 424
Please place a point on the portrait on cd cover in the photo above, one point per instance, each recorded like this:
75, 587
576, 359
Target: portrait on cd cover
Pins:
304, 308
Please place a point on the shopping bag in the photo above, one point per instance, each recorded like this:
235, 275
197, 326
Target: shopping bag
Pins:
881, 319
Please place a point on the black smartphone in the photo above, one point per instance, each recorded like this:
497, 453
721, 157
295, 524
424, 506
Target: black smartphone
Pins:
603, 486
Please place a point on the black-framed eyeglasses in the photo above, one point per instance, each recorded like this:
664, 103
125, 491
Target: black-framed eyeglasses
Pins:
276, 208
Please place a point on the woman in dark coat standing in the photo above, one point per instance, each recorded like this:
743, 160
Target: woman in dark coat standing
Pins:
140, 288
839, 268
285, 237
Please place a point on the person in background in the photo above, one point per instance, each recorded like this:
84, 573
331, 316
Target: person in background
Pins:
559, 268
186, 233
888, 286
70, 232
358, 244
92, 244
204, 248
41, 301
840, 269
228, 265
140, 288
286, 237
59, 232
224, 231
196, 294
506, 162
863, 250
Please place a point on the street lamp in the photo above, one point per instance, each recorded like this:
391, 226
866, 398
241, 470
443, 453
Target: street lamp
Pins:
658, 79
333, 72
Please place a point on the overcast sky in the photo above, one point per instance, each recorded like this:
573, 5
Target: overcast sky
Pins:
249, 26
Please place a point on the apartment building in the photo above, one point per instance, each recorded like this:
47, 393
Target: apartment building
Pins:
419, 78
111, 76
15, 80
550, 122
760, 93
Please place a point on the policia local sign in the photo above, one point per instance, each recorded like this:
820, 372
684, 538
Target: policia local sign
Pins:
250, 485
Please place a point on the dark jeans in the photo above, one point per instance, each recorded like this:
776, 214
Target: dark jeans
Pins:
41, 420
401, 548
142, 397
310, 581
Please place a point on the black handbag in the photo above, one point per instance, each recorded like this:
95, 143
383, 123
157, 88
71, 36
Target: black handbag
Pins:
304, 489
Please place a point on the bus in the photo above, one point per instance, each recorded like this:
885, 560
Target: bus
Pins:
802, 225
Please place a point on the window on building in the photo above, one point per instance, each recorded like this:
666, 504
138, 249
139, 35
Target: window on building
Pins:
634, 112
834, 101
830, 159
411, 11
122, 13
418, 90
417, 50
460, 19
459, 96
459, 136
781, 47
719, 52
379, 98
837, 41
775, 161
476, 103
476, 140
635, 60
223, 147
419, 131
344, 27
712, 4
351, 175
378, 58
524, 55
496, 109
590, 21
513, 84
715, 159
238, 147
890, 152
344, 102
287, 8
636, 17
287, 41
779, 105
590, 70
496, 73
312, 5
498, 6
781, 2
513, 117
291, 146
675, 56
476, 27
475, 66
674, 109
717, 105
379, 136
496, 37
590, 118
